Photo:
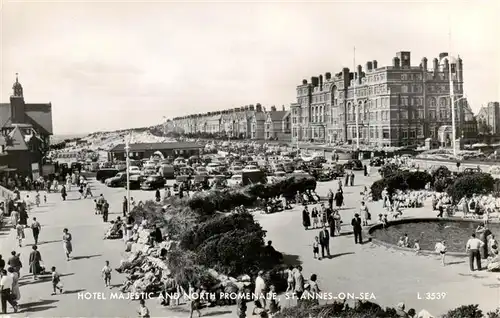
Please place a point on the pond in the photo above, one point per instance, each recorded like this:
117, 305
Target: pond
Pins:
455, 233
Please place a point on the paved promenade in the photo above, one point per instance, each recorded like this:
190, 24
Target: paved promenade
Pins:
354, 268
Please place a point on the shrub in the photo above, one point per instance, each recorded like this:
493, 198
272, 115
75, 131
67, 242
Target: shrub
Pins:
441, 172
388, 169
418, 180
467, 185
440, 185
377, 188
494, 314
199, 234
469, 311
233, 253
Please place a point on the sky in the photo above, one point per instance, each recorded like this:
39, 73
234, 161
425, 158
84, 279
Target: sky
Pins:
116, 65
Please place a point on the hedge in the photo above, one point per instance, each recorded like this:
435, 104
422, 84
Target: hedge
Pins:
207, 203
469, 184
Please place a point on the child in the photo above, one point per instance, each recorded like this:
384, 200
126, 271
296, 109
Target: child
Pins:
274, 306
316, 247
314, 215
406, 241
416, 247
441, 249
106, 272
44, 198
20, 234
143, 311
37, 198
56, 281
290, 280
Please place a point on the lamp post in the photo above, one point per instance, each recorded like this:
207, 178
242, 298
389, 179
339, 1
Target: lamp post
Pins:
127, 153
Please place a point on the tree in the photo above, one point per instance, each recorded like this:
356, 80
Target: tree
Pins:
484, 128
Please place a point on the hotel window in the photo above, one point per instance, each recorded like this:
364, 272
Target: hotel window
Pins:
376, 116
385, 133
413, 134
404, 101
371, 132
405, 134
404, 115
404, 77
420, 131
404, 89
420, 114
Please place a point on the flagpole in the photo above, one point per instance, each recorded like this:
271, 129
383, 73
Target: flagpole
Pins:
355, 99
452, 92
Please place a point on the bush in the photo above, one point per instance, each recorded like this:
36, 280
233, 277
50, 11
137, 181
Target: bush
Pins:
377, 188
469, 311
199, 234
440, 172
494, 314
388, 169
467, 185
233, 253
418, 180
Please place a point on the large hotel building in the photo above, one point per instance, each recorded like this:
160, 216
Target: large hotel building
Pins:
395, 105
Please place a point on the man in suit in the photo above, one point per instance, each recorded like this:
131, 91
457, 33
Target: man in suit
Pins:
324, 240
356, 226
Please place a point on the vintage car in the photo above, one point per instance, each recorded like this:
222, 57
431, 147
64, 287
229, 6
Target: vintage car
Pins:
353, 164
200, 181
324, 175
376, 162
153, 183
178, 181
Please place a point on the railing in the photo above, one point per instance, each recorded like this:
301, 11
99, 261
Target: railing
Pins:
6, 194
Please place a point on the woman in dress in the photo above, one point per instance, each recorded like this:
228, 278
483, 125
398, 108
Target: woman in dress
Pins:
68, 247
338, 221
20, 234
365, 213
306, 219
15, 284
34, 260
14, 218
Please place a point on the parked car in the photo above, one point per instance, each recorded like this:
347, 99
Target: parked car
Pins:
134, 169
376, 162
104, 174
235, 180
201, 180
201, 171
353, 164
167, 171
178, 181
153, 183
135, 182
117, 180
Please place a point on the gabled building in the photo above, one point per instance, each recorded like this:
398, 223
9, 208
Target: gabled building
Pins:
277, 125
26, 129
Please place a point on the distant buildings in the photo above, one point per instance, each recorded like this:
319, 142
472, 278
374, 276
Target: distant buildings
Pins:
488, 119
394, 105
249, 122
25, 131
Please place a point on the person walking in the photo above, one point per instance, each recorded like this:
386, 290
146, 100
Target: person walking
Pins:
330, 199
351, 178
339, 199
347, 177
14, 218
56, 281
20, 234
324, 241
35, 259
37, 198
105, 211
124, 206
6, 292
68, 246
338, 221
260, 289
2, 262
15, 262
306, 219
106, 273
35, 228
472, 247
441, 249
158, 195
365, 212
357, 228
63, 192
16, 292
298, 283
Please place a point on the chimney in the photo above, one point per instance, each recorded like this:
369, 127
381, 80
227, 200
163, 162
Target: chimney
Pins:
369, 66
424, 64
320, 82
460, 69
304, 82
442, 55
395, 62
346, 75
375, 64
328, 76
446, 65
359, 74
251, 108
247, 108
435, 66
314, 81
404, 59
273, 108
258, 107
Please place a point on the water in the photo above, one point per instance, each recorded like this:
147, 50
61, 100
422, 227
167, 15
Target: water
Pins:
429, 233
